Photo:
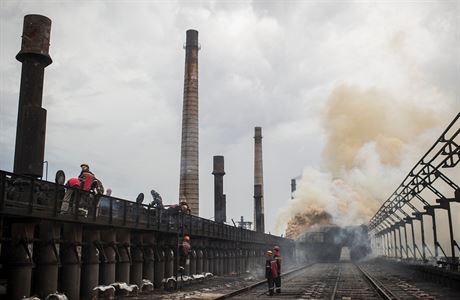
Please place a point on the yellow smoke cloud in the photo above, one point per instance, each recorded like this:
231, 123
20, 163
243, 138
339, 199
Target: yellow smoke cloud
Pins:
369, 135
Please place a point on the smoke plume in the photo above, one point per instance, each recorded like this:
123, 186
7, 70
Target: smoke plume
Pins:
373, 140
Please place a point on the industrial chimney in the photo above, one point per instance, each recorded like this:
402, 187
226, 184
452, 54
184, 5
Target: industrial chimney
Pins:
219, 197
259, 223
293, 187
189, 184
31, 127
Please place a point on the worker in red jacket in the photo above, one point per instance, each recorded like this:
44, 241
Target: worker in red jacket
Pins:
271, 272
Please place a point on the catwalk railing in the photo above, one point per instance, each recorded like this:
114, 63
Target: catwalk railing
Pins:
408, 204
22, 196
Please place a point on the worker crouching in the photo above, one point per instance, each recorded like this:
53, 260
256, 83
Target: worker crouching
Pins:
271, 272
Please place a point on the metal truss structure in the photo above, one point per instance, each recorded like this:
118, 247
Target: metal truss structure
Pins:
400, 209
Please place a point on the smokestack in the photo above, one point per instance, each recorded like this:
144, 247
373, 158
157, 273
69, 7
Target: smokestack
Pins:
189, 184
293, 187
258, 182
219, 197
31, 126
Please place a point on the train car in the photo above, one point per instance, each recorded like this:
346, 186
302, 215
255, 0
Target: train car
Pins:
325, 243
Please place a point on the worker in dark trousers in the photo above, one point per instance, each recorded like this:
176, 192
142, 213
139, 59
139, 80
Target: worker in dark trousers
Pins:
277, 256
271, 272
184, 253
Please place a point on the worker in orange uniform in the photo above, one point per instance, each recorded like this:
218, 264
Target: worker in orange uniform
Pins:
277, 256
184, 252
271, 272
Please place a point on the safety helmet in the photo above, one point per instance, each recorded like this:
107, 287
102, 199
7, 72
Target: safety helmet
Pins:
276, 248
84, 164
186, 238
74, 182
269, 253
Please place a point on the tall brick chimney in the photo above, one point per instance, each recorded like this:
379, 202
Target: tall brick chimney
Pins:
259, 221
189, 181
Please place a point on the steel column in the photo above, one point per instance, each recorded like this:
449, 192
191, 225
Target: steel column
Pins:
124, 256
20, 261
159, 269
108, 257
90, 263
137, 259
192, 257
149, 257
199, 262
46, 274
71, 253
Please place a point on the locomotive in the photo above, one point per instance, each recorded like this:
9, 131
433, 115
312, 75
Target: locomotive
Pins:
325, 243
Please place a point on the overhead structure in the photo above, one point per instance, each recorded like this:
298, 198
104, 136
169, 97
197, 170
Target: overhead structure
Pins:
408, 203
189, 179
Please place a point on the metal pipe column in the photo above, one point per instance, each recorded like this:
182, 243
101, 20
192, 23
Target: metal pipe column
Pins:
90, 263
47, 259
31, 126
137, 260
107, 255
71, 253
124, 256
20, 261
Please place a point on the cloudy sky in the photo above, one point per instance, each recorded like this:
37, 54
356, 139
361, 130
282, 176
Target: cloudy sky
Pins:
114, 91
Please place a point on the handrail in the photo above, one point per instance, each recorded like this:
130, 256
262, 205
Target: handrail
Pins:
16, 190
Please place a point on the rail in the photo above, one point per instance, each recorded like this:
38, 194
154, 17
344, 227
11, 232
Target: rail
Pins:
378, 286
257, 284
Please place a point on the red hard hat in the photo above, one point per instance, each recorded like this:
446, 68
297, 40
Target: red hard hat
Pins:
74, 182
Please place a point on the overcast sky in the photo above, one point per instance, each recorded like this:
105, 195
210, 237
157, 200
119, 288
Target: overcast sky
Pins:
114, 91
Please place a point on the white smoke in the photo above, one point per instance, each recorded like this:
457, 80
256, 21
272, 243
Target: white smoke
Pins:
373, 140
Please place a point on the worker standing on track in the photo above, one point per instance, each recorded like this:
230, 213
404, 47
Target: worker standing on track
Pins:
271, 272
277, 256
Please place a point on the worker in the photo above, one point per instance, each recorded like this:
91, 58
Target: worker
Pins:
271, 272
157, 201
184, 252
67, 202
277, 256
89, 182
86, 177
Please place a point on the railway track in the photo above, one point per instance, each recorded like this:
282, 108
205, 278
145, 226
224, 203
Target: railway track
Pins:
343, 280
